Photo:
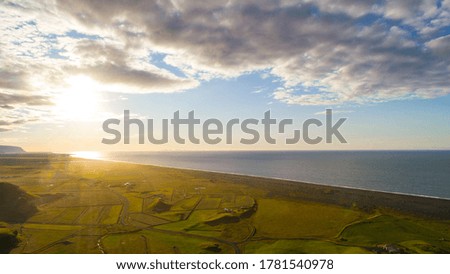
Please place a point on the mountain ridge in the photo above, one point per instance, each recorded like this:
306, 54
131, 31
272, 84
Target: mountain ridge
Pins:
11, 149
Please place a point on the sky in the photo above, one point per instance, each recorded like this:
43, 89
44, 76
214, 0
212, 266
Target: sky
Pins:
67, 66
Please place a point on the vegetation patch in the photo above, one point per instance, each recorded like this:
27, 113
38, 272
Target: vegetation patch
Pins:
8, 239
291, 219
111, 216
386, 230
160, 243
209, 203
300, 247
147, 219
16, 206
187, 204
157, 205
90, 206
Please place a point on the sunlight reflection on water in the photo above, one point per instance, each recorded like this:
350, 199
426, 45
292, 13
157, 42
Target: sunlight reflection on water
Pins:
87, 154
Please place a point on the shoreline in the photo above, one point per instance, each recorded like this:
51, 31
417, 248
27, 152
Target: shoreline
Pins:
119, 204
266, 177
367, 200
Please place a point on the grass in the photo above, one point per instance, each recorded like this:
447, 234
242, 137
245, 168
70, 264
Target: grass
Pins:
186, 204
91, 215
51, 227
4, 230
197, 224
166, 210
8, 239
397, 230
209, 203
69, 215
173, 216
244, 201
290, 219
135, 202
147, 219
46, 215
112, 215
37, 239
155, 205
134, 243
159, 243
300, 247
88, 198
74, 245
196, 218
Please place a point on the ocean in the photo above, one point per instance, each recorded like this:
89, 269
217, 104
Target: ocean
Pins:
425, 173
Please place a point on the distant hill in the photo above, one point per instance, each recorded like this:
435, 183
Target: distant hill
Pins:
11, 150
16, 206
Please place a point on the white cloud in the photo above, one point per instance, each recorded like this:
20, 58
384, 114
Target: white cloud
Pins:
323, 52
41, 47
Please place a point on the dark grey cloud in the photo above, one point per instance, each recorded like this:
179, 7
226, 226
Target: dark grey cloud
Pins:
324, 53
441, 47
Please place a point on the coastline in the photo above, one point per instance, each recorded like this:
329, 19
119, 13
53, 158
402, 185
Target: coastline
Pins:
364, 199
266, 177
412, 173
78, 205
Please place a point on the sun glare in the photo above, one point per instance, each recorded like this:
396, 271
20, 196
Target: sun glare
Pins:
79, 101
87, 154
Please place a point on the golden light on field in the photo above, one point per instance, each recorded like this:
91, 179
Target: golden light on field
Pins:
79, 101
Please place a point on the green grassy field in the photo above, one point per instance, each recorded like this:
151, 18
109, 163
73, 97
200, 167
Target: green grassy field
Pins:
276, 218
85, 206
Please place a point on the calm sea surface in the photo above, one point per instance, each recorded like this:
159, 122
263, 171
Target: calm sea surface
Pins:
411, 172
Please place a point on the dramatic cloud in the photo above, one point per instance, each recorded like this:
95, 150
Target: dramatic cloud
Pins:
42, 49
321, 52
327, 53
111, 65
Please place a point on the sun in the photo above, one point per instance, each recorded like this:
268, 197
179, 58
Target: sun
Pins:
79, 101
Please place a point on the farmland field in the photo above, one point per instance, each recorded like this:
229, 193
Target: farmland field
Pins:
60, 204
